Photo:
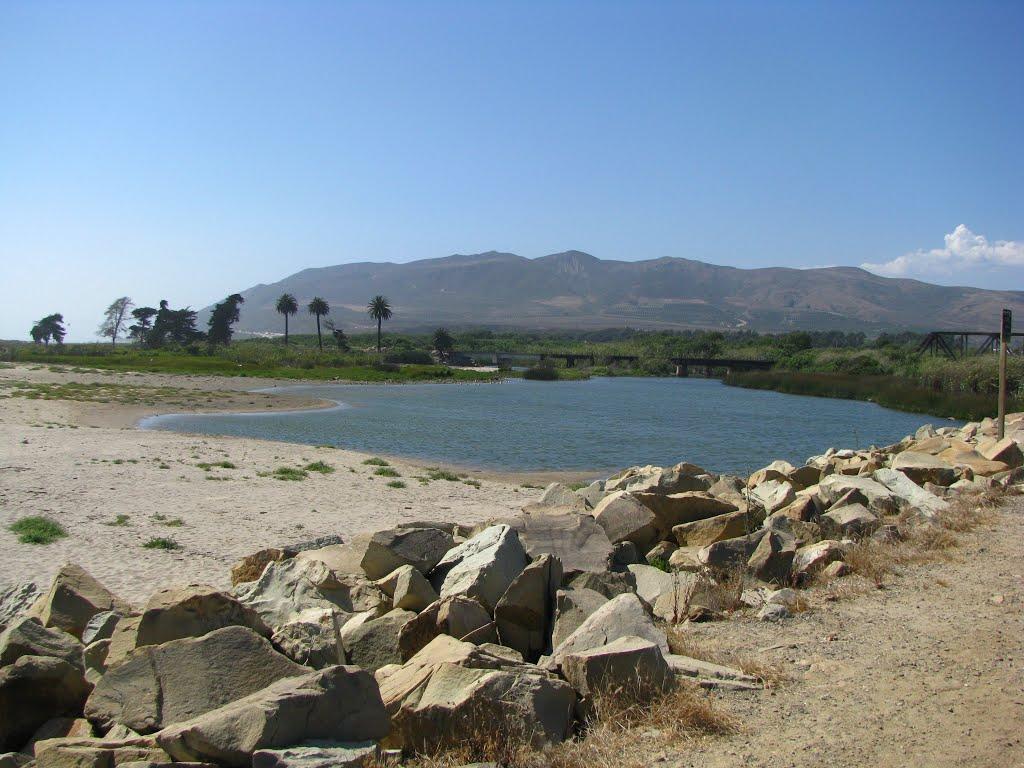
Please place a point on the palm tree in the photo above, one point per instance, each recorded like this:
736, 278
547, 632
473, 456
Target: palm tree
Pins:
287, 305
319, 308
379, 310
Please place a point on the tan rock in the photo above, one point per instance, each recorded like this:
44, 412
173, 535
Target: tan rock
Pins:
74, 598
457, 616
250, 567
700, 533
624, 518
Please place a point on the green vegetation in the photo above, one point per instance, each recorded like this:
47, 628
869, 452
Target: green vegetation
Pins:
221, 464
118, 522
660, 563
386, 472
286, 473
160, 542
255, 358
396, 484
319, 466
889, 391
380, 310
377, 462
38, 530
434, 473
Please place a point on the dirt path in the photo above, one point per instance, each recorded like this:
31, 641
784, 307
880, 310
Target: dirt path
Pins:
927, 672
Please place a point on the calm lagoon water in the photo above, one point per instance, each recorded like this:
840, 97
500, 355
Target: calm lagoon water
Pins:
598, 424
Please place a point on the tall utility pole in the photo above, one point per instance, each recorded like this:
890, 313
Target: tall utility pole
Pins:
1004, 340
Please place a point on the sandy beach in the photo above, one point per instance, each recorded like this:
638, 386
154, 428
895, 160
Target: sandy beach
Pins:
80, 459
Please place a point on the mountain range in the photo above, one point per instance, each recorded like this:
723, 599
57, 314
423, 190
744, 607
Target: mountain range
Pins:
576, 290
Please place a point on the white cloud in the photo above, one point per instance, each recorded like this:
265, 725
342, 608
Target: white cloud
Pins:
964, 251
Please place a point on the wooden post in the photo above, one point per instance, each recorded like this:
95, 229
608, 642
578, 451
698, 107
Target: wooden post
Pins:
1004, 339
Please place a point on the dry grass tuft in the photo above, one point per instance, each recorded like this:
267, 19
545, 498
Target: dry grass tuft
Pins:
622, 732
922, 542
685, 643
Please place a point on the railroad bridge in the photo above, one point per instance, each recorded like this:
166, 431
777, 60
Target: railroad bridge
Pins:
682, 364
954, 344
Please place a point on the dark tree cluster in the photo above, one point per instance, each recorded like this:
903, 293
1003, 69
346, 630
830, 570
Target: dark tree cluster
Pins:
50, 328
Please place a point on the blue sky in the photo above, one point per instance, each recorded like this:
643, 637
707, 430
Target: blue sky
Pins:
185, 150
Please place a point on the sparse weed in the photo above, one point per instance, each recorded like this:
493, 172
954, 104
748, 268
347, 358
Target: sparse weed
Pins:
38, 530
162, 543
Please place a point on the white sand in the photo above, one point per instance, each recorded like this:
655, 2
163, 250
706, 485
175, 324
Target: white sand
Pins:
57, 459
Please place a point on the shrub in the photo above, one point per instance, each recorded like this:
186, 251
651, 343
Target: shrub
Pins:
386, 472
415, 356
38, 530
290, 473
396, 484
161, 543
376, 462
541, 373
319, 466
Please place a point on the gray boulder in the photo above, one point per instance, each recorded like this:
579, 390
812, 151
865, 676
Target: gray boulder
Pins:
312, 638
372, 644
459, 617
773, 495
700, 533
339, 703
678, 508
578, 542
651, 582
481, 568
290, 587
407, 588
623, 616
560, 495
628, 666
450, 693
730, 553
74, 598
27, 637
909, 495
871, 493
35, 689
624, 518
924, 468
317, 754
100, 626
192, 611
422, 548
810, 559
772, 559
851, 520
158, 685
525, 613
572, 608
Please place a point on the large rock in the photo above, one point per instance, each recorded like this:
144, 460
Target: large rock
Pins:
74, 598
773, 557
924, 468
623, 616
974, 461
681, 477
525, 613
372, 644
451, 693
100, 626
773, 495
1006, 450
578, 542
158, 685
317, 754
338, 703
730, 553
422, 548
560, 495
35, 689
15, 600
630, 667
481, 568
27, 637
650, 582
572, 608
313, 638
78, 752
851, 520
192, 611
876, 496
288, 588
678, 508
624, 518
407, 588
700, 533
456, 616
811, 559
909, 494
